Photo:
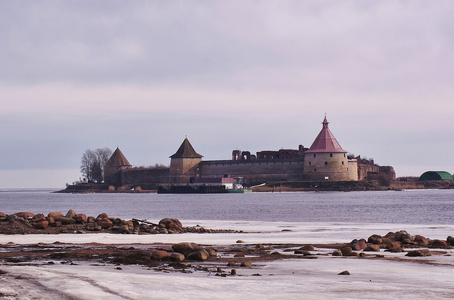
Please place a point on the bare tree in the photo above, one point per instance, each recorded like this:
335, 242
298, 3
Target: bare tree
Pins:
93, 163
86, 164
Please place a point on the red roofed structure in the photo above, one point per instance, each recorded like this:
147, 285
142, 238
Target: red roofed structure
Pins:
325, 141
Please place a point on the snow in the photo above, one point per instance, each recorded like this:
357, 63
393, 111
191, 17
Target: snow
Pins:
281, 279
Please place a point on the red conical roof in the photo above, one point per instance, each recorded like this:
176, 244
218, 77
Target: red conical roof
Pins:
325, 141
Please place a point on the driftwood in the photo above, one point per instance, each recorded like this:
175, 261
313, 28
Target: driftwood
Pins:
143, 221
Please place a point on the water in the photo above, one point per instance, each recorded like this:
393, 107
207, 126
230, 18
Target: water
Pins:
406, 207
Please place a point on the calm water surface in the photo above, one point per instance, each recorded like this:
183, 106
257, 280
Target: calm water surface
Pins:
407, 207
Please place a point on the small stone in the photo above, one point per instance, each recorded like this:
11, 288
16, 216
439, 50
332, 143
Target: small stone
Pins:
240, 242
233, 272
246, 264
344, 273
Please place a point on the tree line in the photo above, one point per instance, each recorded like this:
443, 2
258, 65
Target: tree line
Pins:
93, 164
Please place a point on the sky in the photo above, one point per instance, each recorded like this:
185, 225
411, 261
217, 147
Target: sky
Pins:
248, 75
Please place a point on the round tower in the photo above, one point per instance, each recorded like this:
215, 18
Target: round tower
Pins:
326, 160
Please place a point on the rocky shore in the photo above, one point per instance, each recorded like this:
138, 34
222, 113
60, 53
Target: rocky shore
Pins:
72, 222
221, 260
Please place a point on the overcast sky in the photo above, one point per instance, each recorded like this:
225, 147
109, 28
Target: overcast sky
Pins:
249, 75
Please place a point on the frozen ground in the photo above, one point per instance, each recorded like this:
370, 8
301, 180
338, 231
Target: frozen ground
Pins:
286, 279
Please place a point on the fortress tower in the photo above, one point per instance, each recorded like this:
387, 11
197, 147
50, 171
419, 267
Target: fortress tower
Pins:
184, 163
116, 163
326, 160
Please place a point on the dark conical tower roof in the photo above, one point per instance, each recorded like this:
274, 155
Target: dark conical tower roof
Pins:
186, 151
118, 159
325, 141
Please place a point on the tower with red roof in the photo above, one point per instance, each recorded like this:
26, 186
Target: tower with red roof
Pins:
326, 160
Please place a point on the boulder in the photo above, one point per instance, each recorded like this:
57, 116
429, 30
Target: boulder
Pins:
246, 264
56, 215
439, 244
199, 255
186, 248
67, 221
38, 217
160, 255
421, 241
51, 221
372, 247
104, 223
346, 251
358, 244
211, 252
123, 229
336, 253
450, 240
169, 223
81, 218
175, 256
24, 214
420, 252
307, 248
41, 224
401, 235
102, 216
11, 218
70, 214
2, 216
375, 239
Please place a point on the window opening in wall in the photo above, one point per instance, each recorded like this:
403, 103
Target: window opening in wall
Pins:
315, 170
344, 154
330, 155
326, 163
342, 162
315, 155
310, 163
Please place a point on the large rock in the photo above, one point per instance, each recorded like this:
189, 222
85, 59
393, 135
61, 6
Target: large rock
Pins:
2, 216
38, 217
175, 256
160, 255
186, 248
401, 235
56, 215
358, 244
67, 221
420, 252
421, 241
372, 247
41, 224
450, 240
439, 244
24, 214
70, 214
169, 223
103, 216
199, 255
375, 239
104, 223
81, 218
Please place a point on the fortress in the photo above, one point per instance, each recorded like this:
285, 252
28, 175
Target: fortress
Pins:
325, 160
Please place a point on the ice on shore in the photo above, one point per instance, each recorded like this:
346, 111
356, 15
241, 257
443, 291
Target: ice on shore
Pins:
282, 279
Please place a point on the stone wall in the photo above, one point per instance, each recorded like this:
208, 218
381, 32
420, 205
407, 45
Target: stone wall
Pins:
254, 171
142, 176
